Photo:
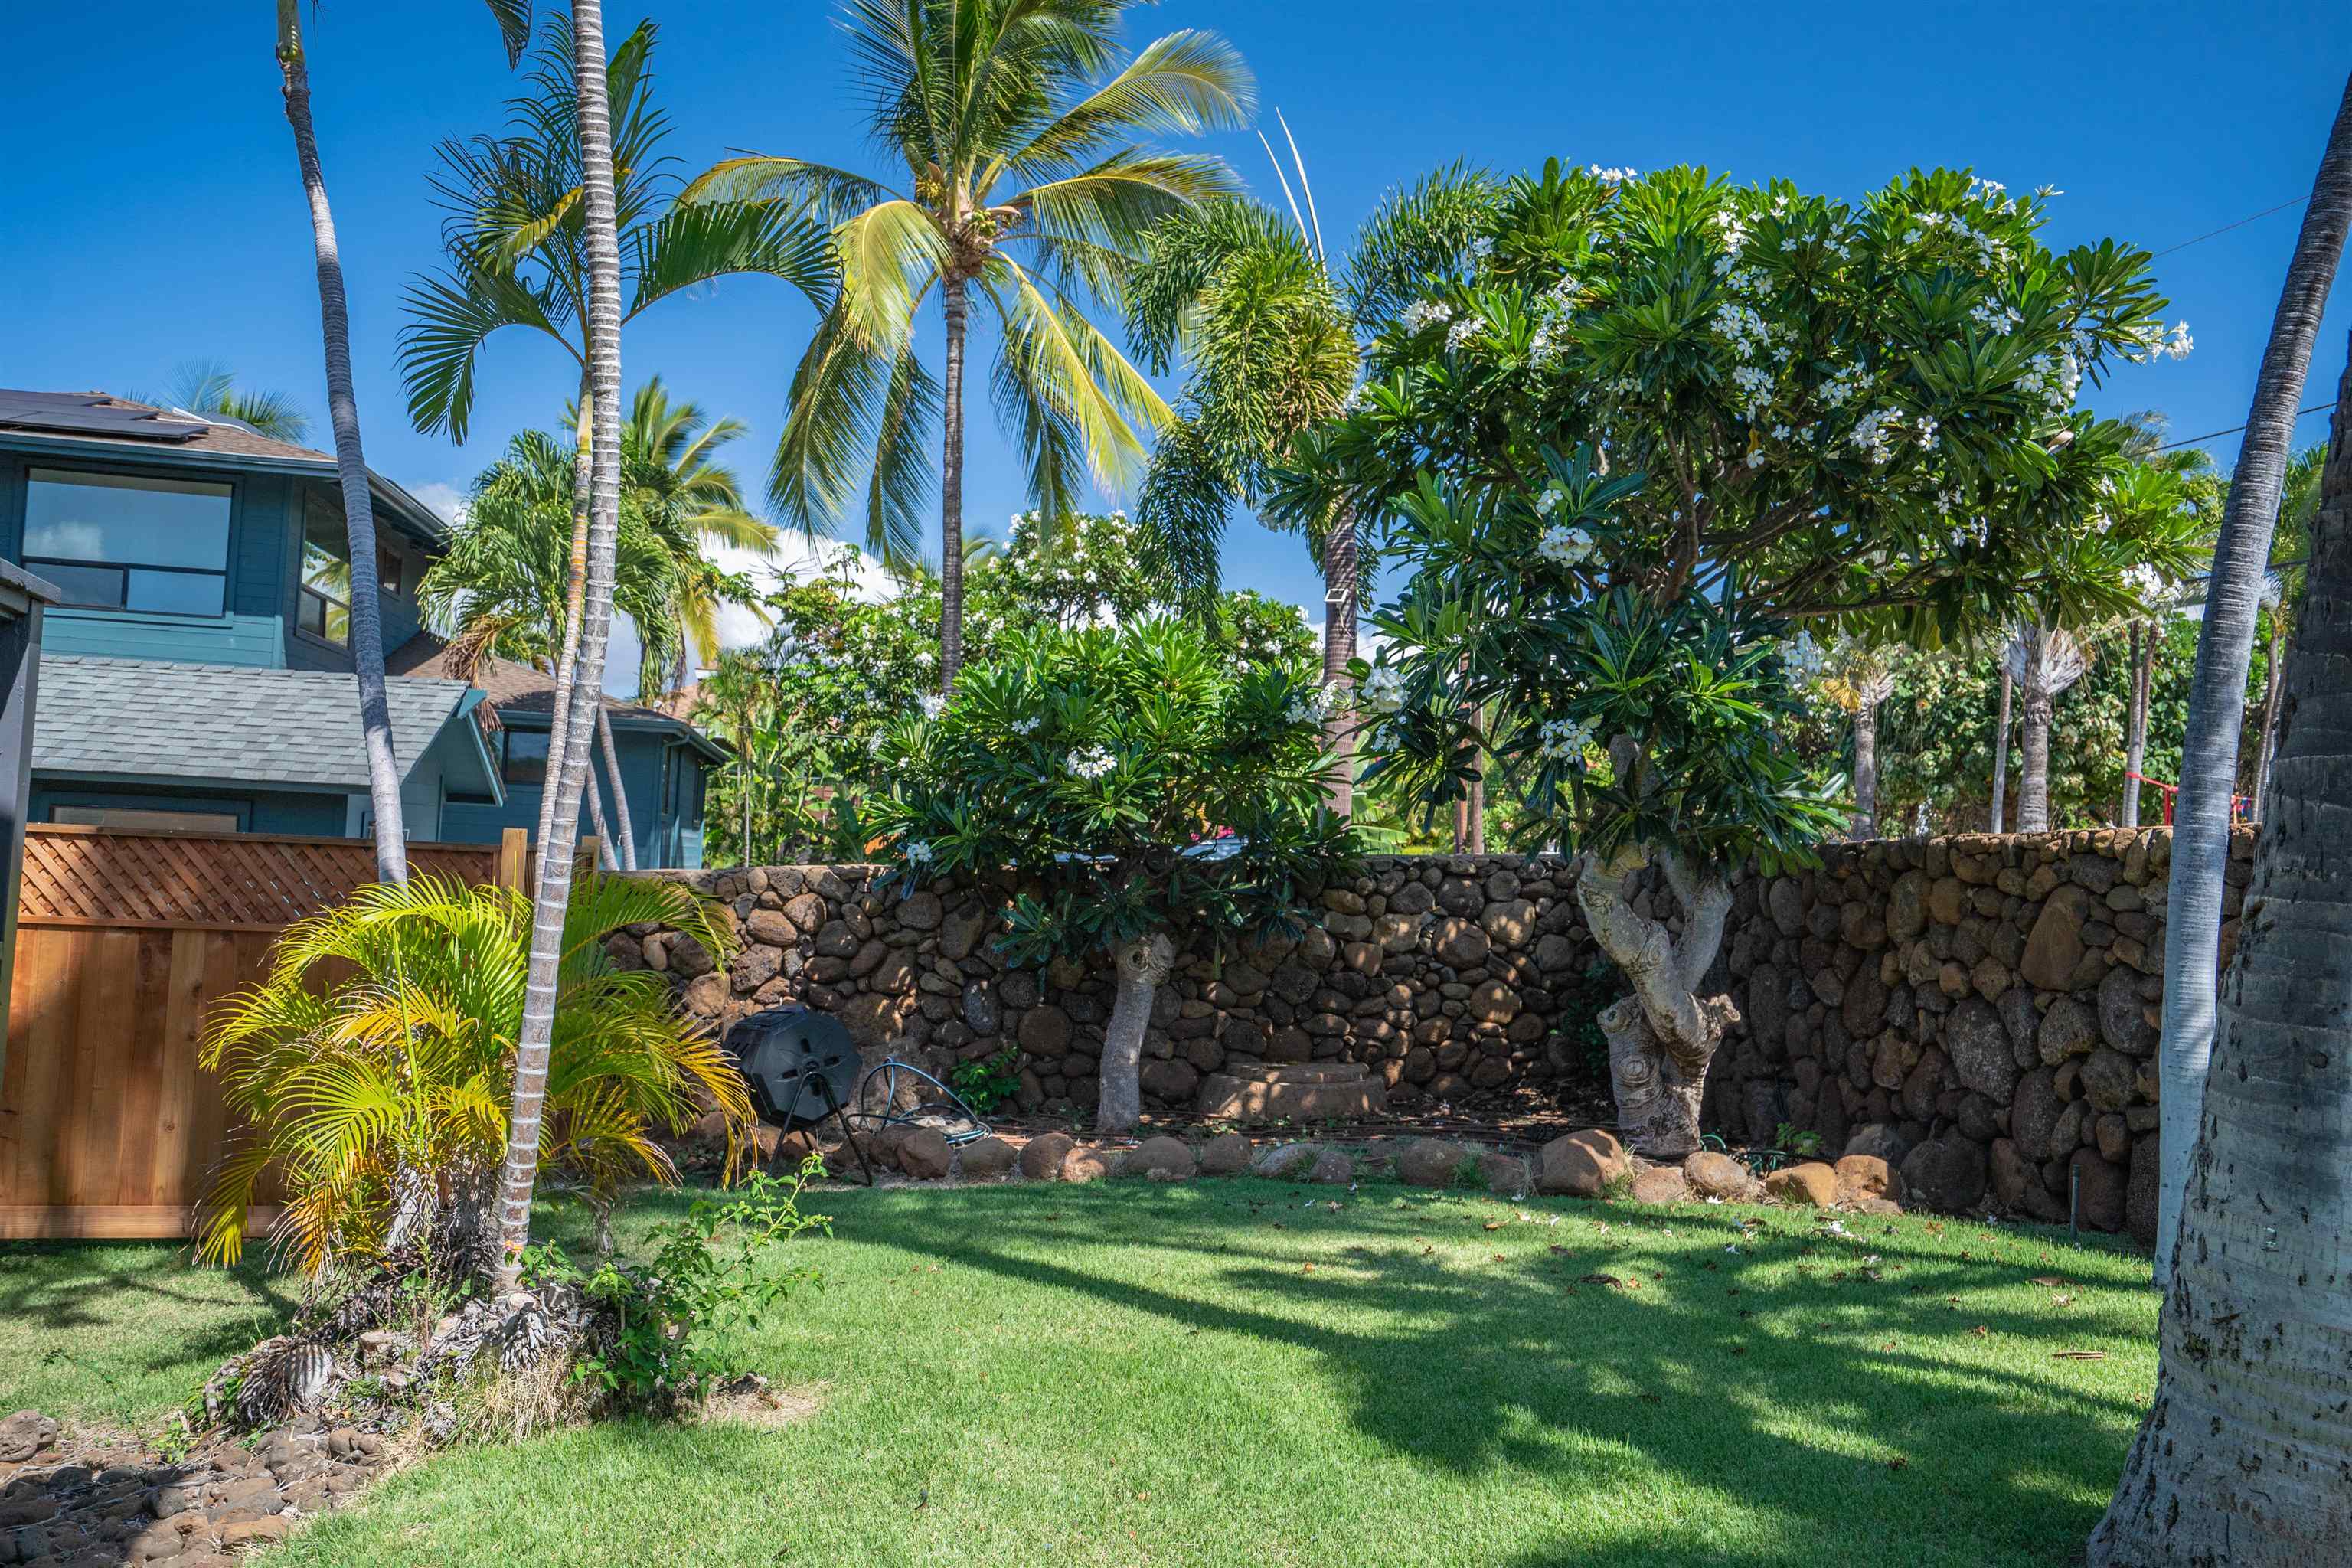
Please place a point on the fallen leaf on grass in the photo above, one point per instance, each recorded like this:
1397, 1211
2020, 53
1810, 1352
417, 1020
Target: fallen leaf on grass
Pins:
1898, 1463
1498, 1258
1600, 1279
2078, 1355
2061, 1300
1494, 1224
2049, 1281
1981, 1332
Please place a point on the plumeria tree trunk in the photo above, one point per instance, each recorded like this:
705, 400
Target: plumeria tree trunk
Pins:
351, 462
1865, 769
1341, 573
2243, 1456
569, 770
2001, 751
628, 829
2217, 692
1144, 965
1661, 1037
951, 293
2144, 638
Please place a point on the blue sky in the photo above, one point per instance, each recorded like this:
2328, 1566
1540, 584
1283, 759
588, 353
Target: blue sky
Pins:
154, 216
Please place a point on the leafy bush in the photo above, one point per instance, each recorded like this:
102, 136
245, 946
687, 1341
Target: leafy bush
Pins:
987, 1083
373, 1068
676, 1326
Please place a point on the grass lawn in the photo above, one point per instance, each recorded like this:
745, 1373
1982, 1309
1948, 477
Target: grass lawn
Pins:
1231, 1373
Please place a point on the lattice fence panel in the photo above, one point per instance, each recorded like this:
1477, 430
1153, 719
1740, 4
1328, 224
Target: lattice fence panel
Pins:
257, 881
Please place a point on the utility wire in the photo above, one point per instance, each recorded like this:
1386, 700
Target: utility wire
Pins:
2228, 226
2233, 429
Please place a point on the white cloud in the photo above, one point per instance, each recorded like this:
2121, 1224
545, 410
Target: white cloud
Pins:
794, 560
448, 502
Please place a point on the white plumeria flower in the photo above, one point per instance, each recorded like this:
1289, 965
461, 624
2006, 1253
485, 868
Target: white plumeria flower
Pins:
917, 853
1383, 689
1025, 726
1482, 248
1564, 546
1424, 313
1090, 764
932, 704
1564, 740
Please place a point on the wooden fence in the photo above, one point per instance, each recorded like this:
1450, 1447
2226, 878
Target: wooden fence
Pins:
124, 942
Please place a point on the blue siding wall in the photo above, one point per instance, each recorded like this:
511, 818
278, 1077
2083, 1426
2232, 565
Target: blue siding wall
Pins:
258, 811
190, 639
663, 840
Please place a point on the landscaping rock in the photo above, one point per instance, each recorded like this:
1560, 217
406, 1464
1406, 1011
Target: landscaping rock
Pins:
1863, 1176
1226, 1155
1661, 1184
1507, 1174
1947, 1173
1810, 1183
1426, 1162
986, 1160
25, 1434
1169, 1159
924, 1154
1582, 1164
2104, 1189
1332, 1169
1042, 1157
1287, 1161
1882, 1139
1084, 1164
1714, 1175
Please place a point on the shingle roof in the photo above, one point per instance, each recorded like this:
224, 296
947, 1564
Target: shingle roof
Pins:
137, 716
514, 687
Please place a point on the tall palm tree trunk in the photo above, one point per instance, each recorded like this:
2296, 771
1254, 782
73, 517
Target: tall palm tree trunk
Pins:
2142, 679
628, 832
2035, 708
2270, 687
575, 589
2209, 753
1340, 571
2243, 1458
351, 462
1865, 770
951, 488
594, 623
2000, 750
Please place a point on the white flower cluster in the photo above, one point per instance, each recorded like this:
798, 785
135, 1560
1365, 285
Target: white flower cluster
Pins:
1550, 501
1426, 314
1025, 726
2154, 345
1465, 331
1995, 317
2054, 375
1308, 707
1359, 398
2147, 585
1875, 434
1842, 386
1613, 176
917, 853
1482, 248
1564, 740
932, 704
1991, 252
1090, 764
1563, 545
1383, 689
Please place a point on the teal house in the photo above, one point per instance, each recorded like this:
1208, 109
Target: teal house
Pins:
196, 671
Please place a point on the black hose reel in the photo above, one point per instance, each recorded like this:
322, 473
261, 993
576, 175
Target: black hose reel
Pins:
799, 1067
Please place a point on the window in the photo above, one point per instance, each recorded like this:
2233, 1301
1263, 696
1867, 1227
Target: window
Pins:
525, 757
387, 571
120, 541
123, 819
325, 607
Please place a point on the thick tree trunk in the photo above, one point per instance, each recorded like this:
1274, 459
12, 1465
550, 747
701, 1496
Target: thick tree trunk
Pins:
366, 627
2270, 687
620, 788
951, 293
2143, 636
1865, 770
1662, 1037
594, 623
1144, 967
2217, 693
1341, 569
2001, 751
2033, 781
2244, 1459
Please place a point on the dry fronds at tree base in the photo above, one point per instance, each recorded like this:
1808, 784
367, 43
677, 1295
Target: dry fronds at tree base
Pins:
540, 1395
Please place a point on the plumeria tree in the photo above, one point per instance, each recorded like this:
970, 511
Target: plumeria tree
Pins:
1137, 786
1645, 425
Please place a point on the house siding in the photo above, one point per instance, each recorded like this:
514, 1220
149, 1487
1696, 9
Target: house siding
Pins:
258, 811
664, 840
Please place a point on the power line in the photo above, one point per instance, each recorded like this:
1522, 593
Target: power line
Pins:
2233, 429
2226, 228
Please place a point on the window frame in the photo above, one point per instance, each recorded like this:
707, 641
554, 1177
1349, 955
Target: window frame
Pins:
507, 734
31, 464
303, 592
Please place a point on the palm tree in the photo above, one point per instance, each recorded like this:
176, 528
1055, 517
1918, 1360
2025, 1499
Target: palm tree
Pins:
1273, 338
1026, 194
2000, 732
381, 1094
601, 312
2208, 751
2299, 501
344, 416
2041, 660
209, 387
1861, 679
517, 256
2241, 1456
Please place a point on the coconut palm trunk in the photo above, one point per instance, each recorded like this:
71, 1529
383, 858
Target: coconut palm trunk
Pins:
351, 462
2144, 636
952, 291
569, 770
2208, 752
2037, 704
2270, 688
575, 589
2243, 1454
1340, 575
2000, 750
1865, 768
621, 821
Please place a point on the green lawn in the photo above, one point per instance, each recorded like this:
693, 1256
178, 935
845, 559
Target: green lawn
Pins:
1231, 1373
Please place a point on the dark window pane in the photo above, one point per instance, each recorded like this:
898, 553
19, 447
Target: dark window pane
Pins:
526, 756
116, 517
99, 586
176, 593
310, 613
387, 572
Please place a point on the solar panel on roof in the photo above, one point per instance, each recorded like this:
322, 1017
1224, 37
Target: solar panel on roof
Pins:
87, 413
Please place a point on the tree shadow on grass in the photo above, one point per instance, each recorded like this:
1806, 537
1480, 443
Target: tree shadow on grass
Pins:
1819, 1396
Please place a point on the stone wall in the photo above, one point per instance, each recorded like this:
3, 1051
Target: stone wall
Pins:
1981, 1011
1440, 972
1978, 1011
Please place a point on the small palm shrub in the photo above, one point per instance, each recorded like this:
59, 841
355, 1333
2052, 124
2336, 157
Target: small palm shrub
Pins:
373, 1068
